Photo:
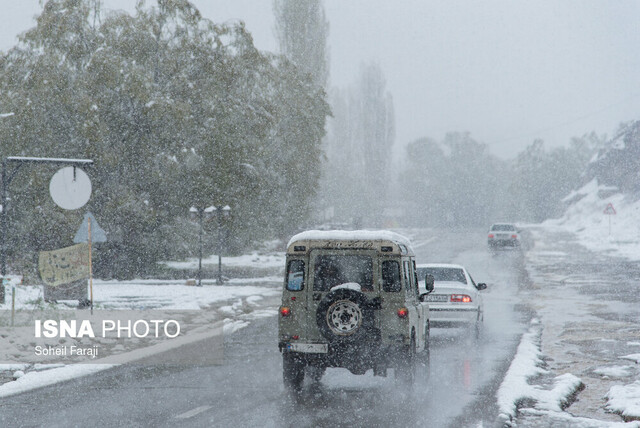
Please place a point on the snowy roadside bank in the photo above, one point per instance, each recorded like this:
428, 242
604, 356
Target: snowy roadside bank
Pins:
517, 395
515, 391
587, 329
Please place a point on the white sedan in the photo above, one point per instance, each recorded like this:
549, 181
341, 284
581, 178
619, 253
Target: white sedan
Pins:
456, 299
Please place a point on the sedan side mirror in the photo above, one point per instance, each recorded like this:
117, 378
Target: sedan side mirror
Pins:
428, 282
481, 286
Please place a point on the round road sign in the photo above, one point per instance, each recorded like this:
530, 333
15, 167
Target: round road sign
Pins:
70, 188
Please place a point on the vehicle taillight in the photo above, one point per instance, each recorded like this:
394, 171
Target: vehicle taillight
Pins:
285, 311
460, 298
403, 312
491, 235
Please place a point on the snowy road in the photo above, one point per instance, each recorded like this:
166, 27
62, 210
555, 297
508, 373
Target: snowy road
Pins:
247, 389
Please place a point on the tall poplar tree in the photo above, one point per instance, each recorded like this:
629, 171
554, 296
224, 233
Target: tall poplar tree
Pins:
302, 30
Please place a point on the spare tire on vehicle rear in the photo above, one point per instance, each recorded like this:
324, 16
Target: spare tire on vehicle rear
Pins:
345, 316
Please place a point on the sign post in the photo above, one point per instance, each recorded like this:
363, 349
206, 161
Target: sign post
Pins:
13, 303
90, 234
609, 211
90, 266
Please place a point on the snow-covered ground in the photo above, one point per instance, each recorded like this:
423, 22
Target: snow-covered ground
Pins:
229, 306
253, 260
148, 294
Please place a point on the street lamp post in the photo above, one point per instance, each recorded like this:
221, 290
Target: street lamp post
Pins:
199, 214
206, 213
221, 212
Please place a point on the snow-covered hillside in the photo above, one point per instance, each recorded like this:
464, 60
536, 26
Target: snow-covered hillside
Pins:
617, 234
605, 212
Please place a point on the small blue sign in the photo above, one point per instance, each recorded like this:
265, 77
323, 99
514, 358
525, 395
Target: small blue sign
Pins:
97, 233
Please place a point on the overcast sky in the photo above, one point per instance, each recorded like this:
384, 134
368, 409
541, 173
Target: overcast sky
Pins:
507, 71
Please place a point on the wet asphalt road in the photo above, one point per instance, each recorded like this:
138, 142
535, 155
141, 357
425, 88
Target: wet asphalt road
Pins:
247, 389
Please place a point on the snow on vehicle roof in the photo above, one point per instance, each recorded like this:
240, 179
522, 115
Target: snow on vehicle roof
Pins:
351, 235
439, 265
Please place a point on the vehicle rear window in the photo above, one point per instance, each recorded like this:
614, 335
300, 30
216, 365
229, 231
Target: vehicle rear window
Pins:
391, 276
295, 275
332, 270
443, 274
503, 227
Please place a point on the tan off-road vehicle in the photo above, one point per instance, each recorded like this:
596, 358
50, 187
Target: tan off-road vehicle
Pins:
351, 300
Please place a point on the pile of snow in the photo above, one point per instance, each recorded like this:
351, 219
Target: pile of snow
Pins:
625, 400
632, 357
615, 371
348, 286
527, 363
617, 233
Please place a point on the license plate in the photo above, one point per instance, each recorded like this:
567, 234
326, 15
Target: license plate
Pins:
317, 348
436, 298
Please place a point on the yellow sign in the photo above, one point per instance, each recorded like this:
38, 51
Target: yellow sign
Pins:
65, 265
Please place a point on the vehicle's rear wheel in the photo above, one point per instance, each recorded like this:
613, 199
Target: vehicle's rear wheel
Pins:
406, 369
292, 372
315, 373
426, 358
379, 370
427, 340
478, 325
